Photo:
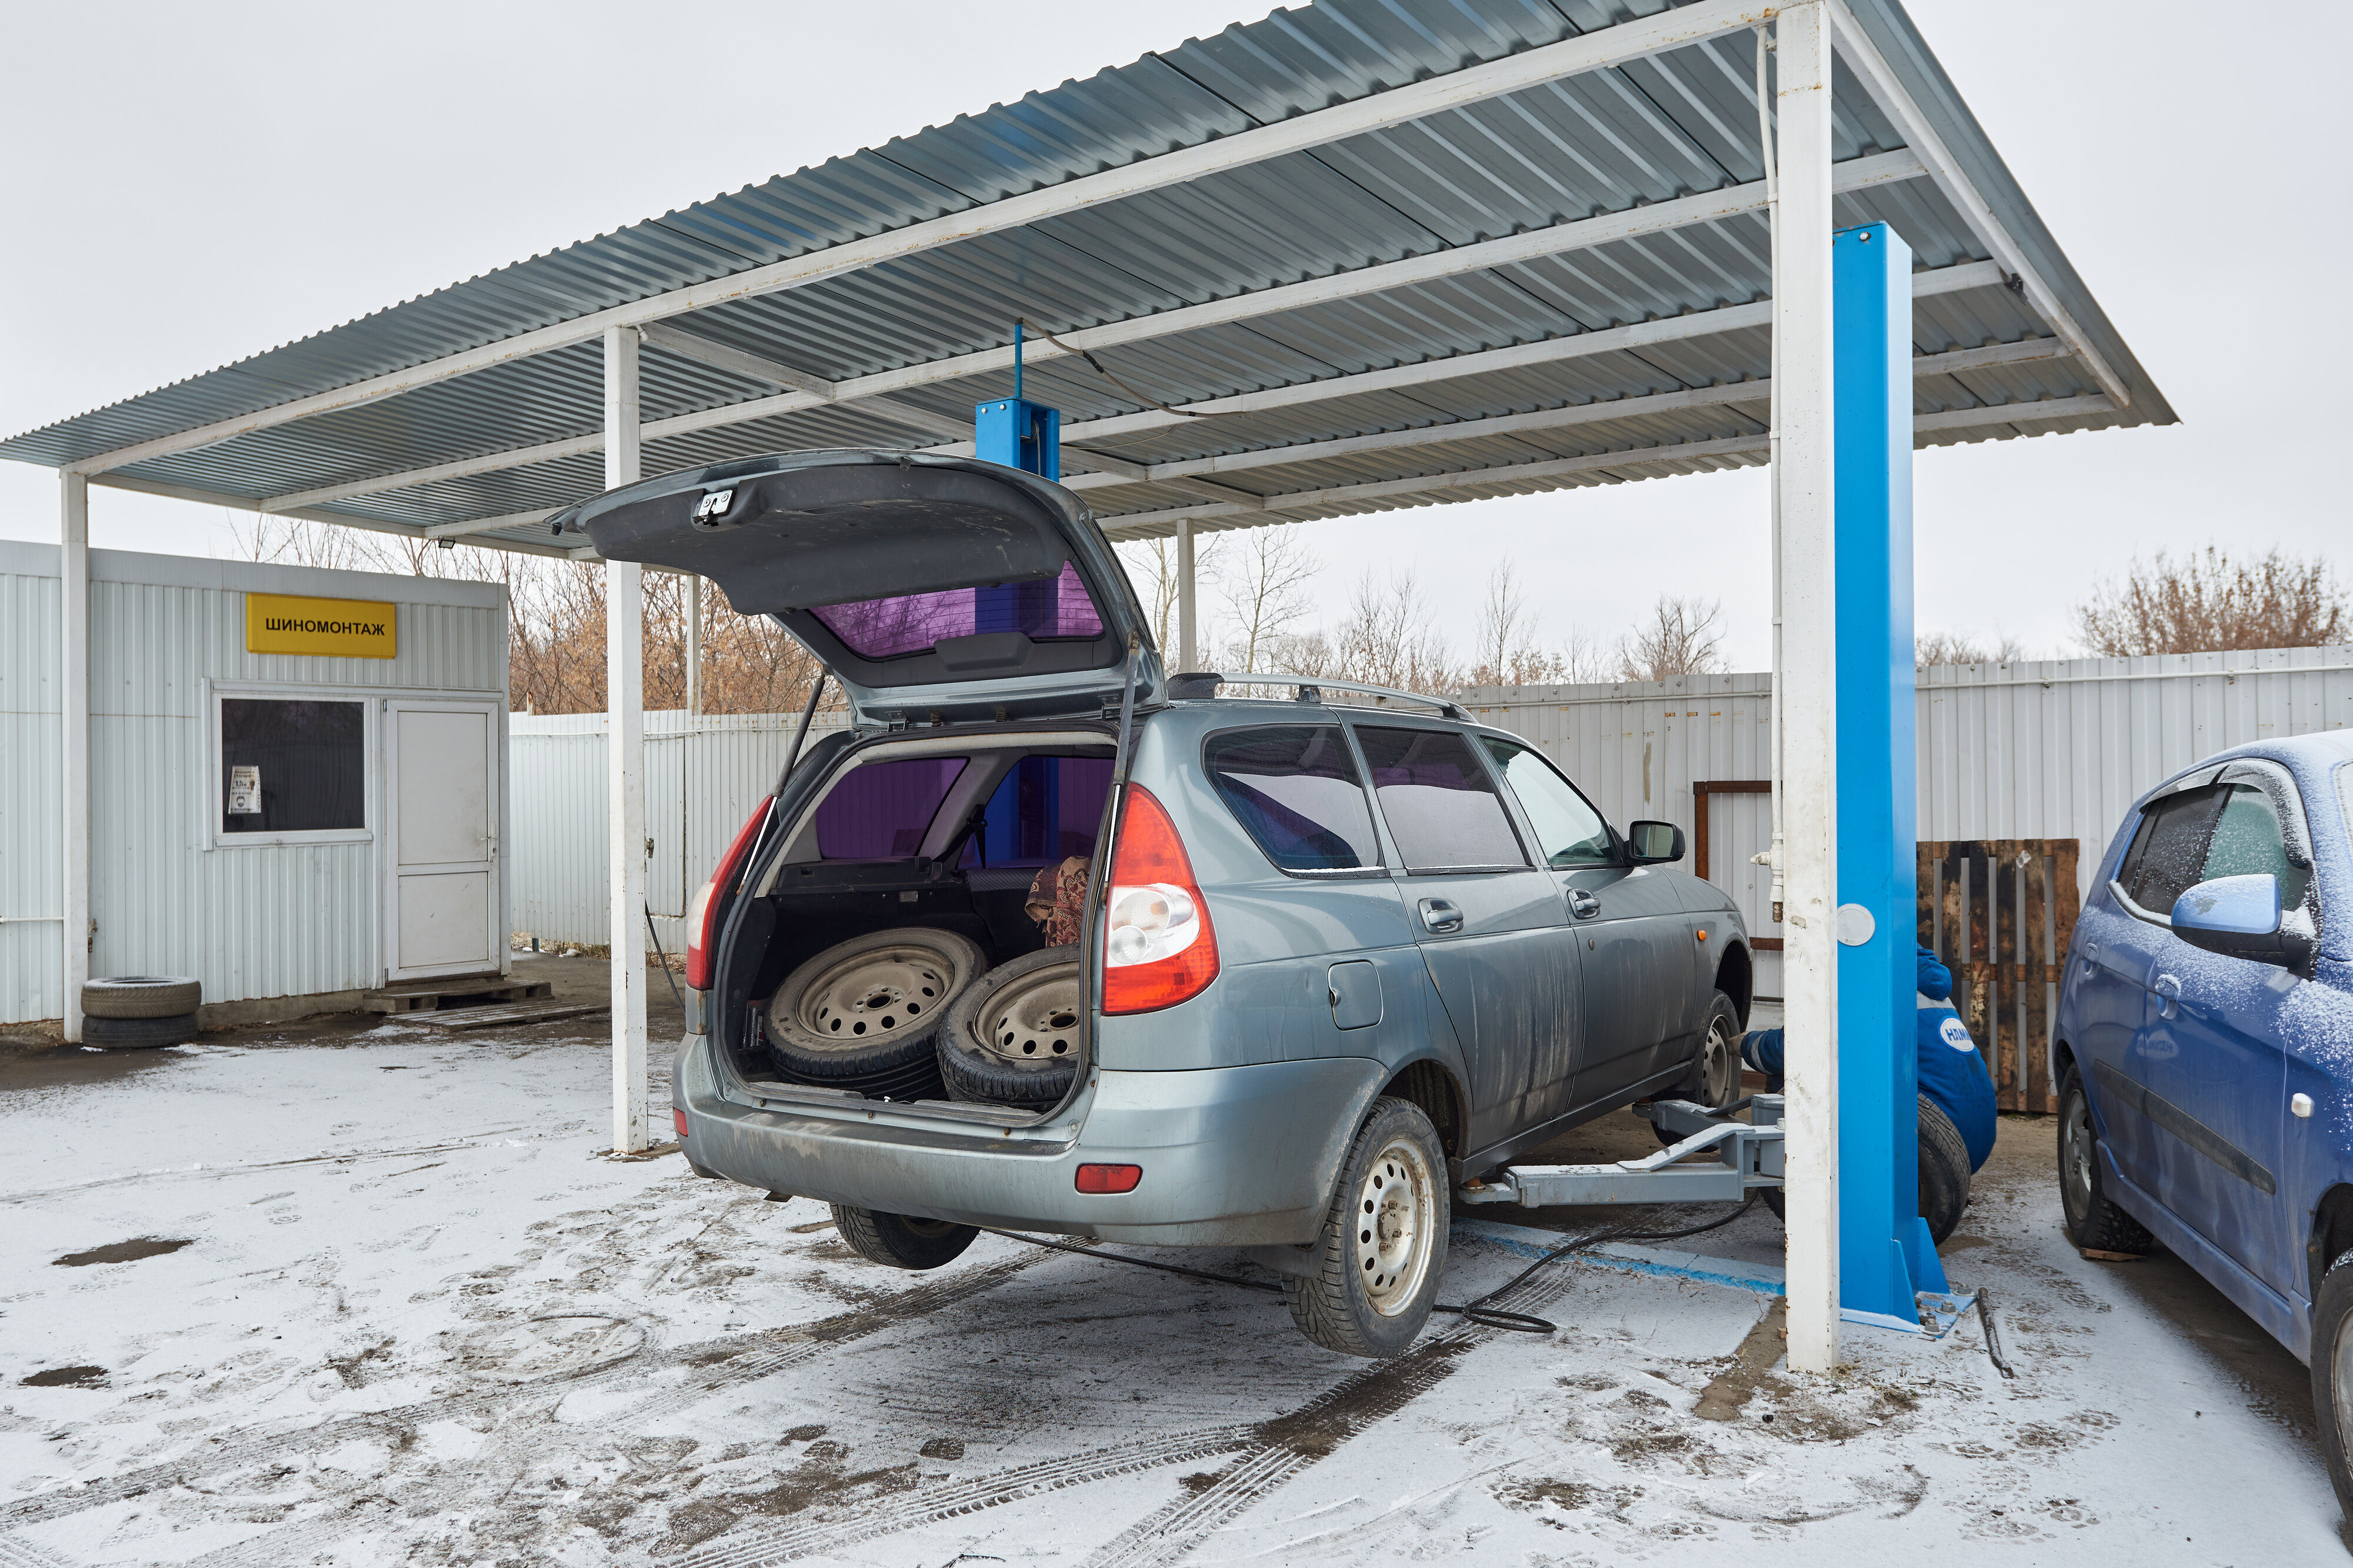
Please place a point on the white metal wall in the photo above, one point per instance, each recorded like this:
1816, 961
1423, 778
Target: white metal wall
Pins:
2049, 748
256, 921
703, 777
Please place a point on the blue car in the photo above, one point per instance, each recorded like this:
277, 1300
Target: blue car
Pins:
2203, 1052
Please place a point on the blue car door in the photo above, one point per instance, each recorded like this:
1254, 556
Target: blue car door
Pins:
2116, 945
2210, 1049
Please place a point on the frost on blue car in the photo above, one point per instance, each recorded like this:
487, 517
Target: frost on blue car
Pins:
2203, 1053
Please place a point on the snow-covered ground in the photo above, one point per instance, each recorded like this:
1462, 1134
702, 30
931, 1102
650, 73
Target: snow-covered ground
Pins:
418, 1319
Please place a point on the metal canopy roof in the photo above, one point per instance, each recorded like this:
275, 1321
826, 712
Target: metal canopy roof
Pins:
1412, 252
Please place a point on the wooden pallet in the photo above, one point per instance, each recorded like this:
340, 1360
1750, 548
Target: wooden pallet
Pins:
508, 1014
432, 996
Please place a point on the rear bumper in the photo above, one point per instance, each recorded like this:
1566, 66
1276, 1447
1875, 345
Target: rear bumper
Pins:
1231, 1156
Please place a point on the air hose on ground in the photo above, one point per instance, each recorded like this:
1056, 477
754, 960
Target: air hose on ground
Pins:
1477, 1311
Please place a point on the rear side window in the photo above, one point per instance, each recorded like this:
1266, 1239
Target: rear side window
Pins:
1046, 809
1294, 788
881, 811
1568, 830
1440, 806
2167, 856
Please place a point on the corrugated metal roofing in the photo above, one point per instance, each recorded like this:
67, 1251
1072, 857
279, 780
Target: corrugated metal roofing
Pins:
1601, 142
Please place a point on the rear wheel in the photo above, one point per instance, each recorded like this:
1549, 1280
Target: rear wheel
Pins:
2093, 1223
2332, 1374
1383, 1247
901, 1241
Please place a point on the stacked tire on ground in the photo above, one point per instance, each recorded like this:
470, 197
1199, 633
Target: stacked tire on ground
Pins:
139, 1012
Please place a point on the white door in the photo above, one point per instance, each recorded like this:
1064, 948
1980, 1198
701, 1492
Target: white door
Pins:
442, 768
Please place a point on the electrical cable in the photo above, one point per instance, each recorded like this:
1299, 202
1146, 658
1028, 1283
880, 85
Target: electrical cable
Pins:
1477, 1311
1141, 397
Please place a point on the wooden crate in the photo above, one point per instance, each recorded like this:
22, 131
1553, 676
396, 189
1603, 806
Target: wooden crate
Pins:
2000, 912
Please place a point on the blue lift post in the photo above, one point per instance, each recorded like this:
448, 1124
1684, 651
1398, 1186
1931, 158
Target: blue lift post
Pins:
1026, 435
1885, 1251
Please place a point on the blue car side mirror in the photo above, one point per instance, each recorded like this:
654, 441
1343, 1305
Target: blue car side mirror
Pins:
2240, 917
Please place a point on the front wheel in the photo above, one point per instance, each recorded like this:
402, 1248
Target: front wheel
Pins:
1383, 1245
2332, 1373
901, 1241
1713, 1080
2093, 1223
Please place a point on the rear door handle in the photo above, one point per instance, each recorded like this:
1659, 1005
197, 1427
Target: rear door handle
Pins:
1439, 916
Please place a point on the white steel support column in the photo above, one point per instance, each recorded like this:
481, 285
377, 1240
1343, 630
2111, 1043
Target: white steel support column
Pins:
625, 765
73, 718
693, 646
1187, 649
1802, 479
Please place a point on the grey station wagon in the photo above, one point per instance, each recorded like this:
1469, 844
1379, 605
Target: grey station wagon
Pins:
1051, 940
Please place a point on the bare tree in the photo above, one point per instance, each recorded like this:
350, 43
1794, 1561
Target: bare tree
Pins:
1508, 653
297, 542
1680, 637
1266, 593
1153, 563
1960, 647
2210, 602
1387, 639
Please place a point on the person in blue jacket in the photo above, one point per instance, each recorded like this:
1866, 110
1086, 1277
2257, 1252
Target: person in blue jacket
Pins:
1952, 1081
1952, 1074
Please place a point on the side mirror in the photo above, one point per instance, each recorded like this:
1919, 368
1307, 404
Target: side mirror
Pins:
2239, 917
1653, 843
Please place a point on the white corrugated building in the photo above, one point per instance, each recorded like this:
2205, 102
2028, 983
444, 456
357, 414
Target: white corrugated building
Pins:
372, 851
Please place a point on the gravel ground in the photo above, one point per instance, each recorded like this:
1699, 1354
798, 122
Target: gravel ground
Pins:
366, 1293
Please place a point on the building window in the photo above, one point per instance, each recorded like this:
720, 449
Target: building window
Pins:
291, 765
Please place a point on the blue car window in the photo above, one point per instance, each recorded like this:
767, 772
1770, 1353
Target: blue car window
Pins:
1294, 788
2167, 856
2248, 841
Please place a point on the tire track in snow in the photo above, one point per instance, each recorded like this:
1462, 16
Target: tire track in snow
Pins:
715, 1364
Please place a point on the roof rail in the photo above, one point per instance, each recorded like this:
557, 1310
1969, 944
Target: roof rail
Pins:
1311, 688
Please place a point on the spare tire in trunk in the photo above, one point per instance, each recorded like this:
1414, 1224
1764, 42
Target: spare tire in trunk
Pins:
864, 1013
1014, 1038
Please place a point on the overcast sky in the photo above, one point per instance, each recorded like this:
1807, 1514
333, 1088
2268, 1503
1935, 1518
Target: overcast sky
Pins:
189, 185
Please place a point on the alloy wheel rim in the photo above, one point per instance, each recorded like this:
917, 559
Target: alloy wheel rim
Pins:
1035, 1021
1397, 1209
2075, 1157
878, 995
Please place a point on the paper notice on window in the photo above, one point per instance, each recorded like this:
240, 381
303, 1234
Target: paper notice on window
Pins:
245, 792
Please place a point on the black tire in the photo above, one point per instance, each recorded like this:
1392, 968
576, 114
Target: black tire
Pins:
1944, 1171
140, 996
2332, 1373
2093, 1223
864, 1013
1383, 1245
1014, 1038
1714, 1077
1944, 1175
901, 1241
139, 1034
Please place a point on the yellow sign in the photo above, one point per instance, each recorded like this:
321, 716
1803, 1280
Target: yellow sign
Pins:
337, 628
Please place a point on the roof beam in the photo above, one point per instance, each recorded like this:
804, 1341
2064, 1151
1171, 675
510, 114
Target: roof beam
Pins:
719, 356
1857, 173
341, 519
1628, 41
1143, 524
1597, 411
1886, 88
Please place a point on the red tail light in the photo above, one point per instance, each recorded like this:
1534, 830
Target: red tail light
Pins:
1158, 946
702, 914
